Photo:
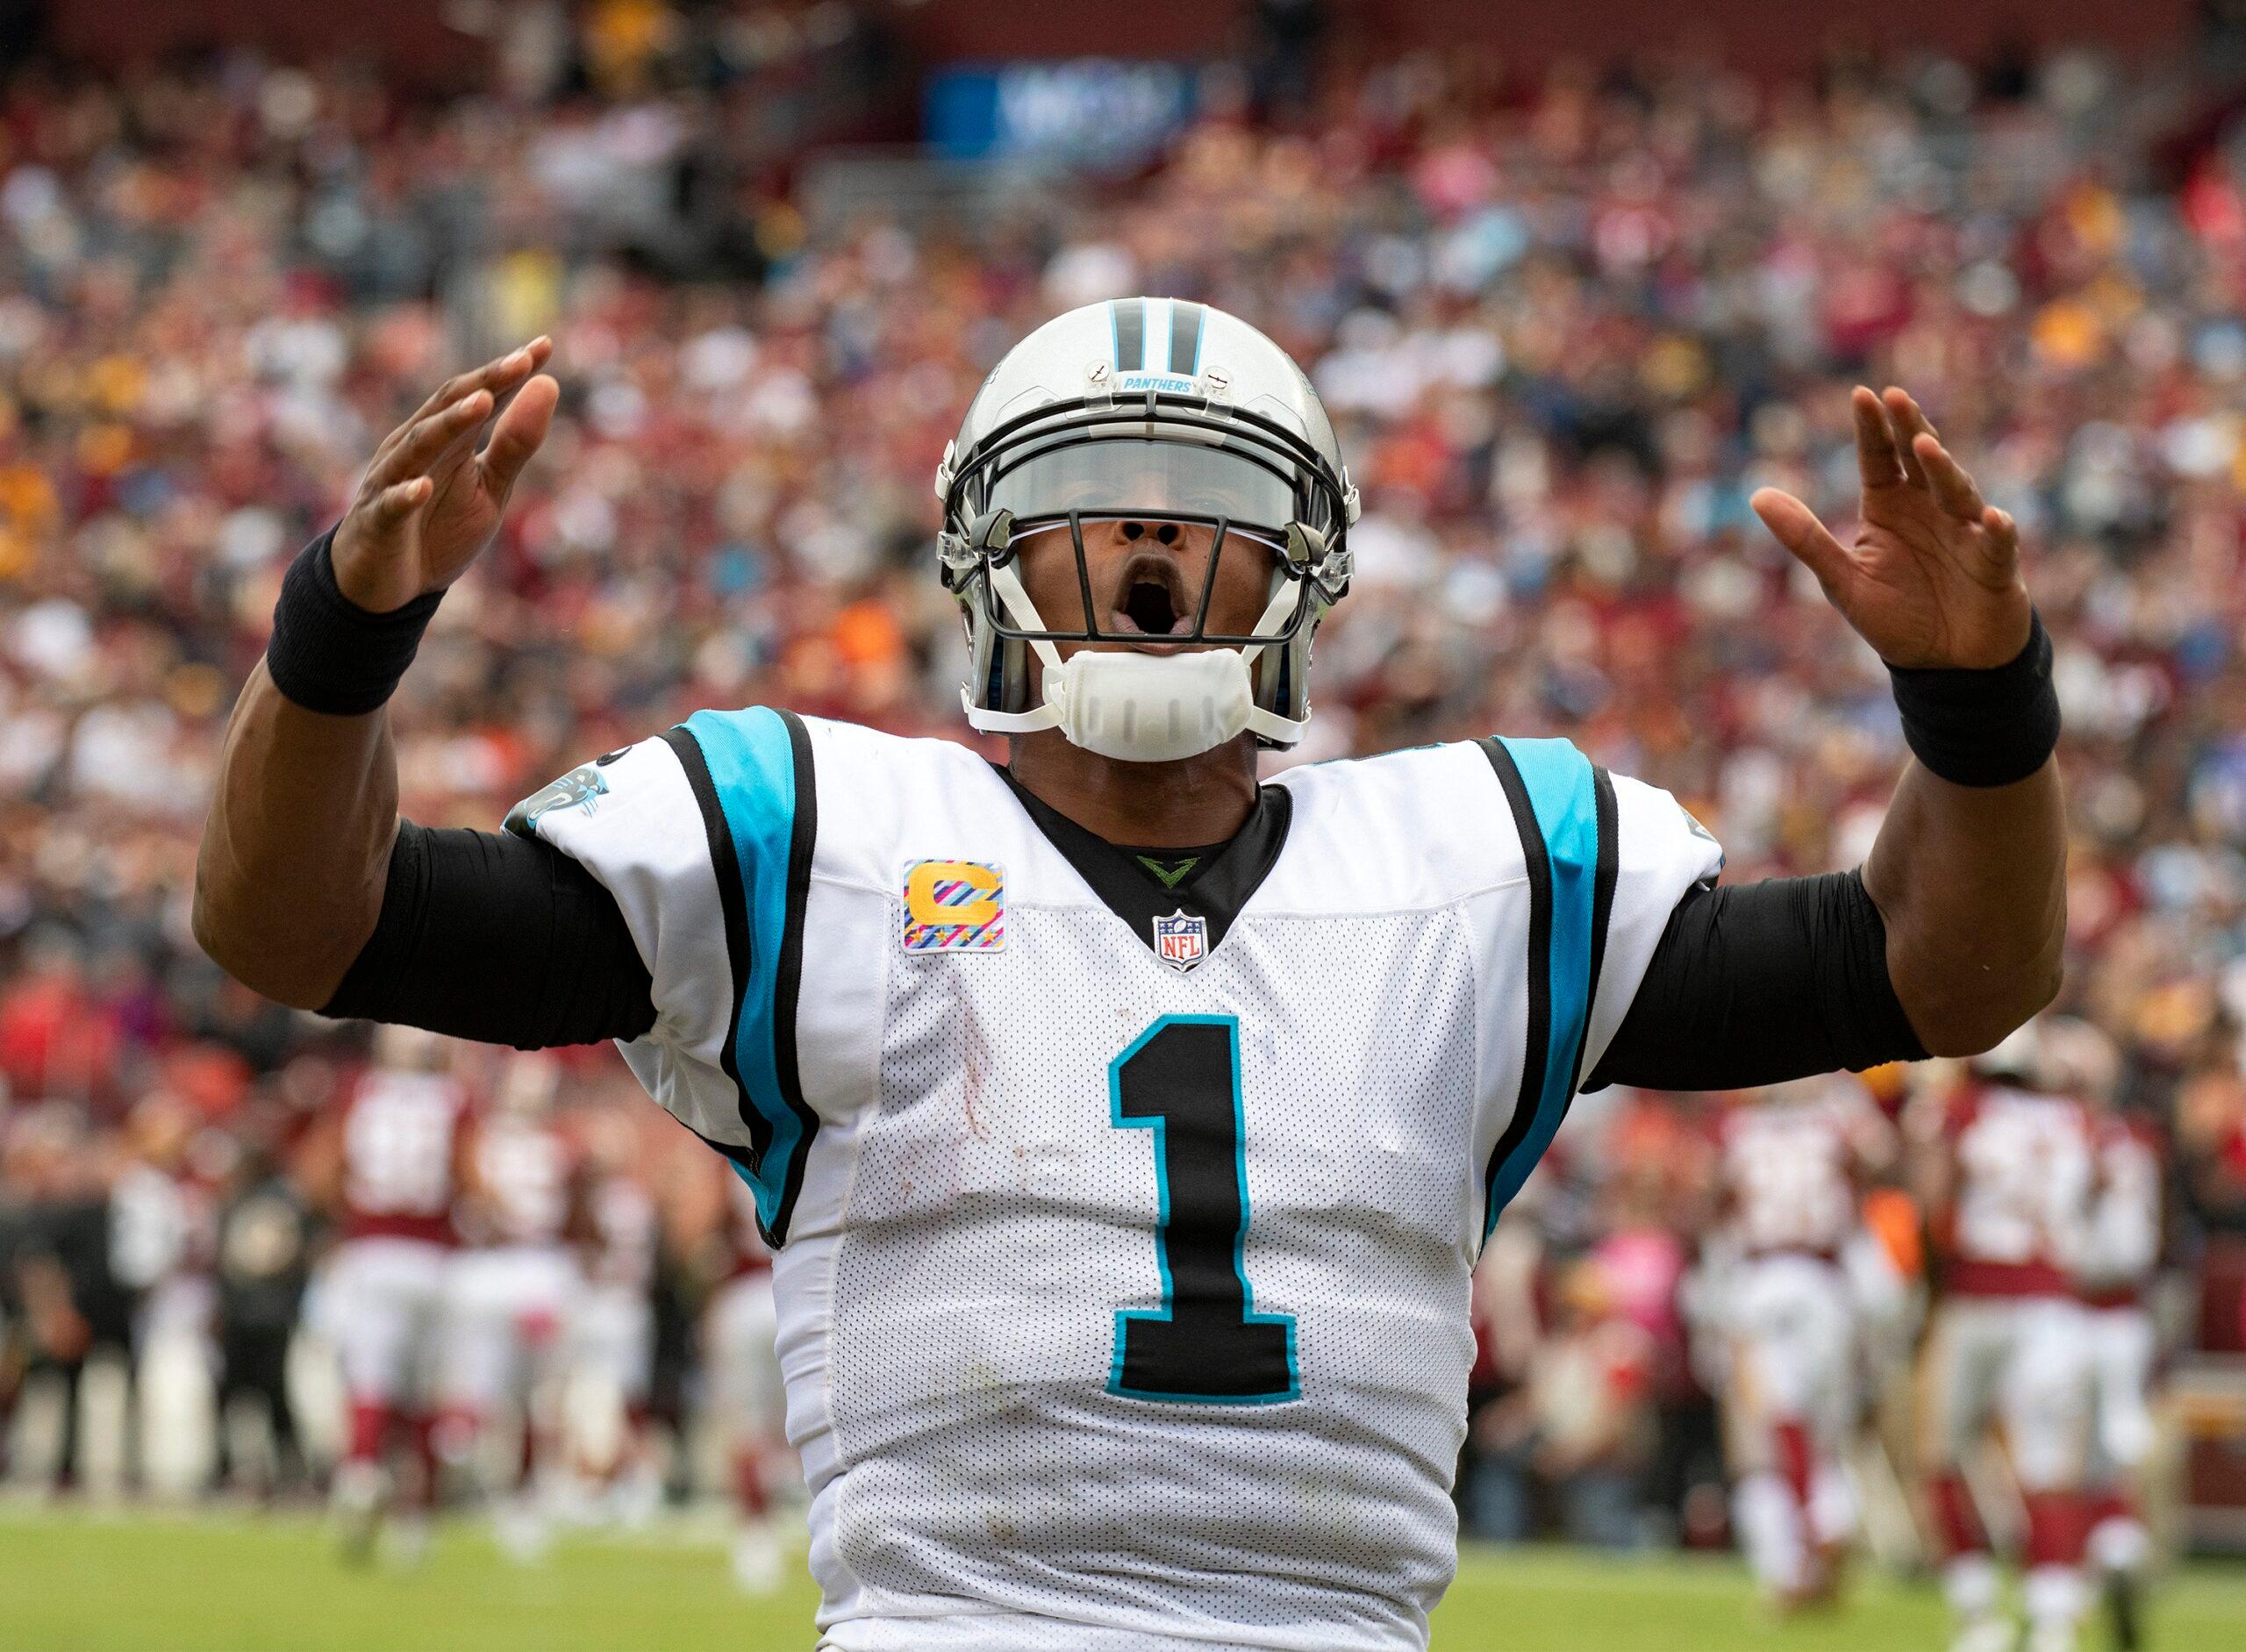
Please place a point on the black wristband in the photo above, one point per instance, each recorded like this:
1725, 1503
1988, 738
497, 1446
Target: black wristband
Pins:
327, 653
1983, 728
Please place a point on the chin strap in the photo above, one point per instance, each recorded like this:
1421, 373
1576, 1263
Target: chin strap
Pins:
1269, 724
1045, 716
1015, 600
1272, 726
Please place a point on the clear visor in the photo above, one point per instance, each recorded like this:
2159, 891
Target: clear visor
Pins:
1120, 477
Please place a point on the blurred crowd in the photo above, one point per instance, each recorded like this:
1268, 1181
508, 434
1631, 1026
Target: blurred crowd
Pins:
1565, 326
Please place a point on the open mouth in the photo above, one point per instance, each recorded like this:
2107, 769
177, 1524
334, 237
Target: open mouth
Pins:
1150, 598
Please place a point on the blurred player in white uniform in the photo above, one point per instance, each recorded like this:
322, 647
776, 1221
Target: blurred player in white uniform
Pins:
739, 1331
513, 1292
1793, 1163
390, 1166
160, 1251
611, 1333
2010, 1173
2121, 1256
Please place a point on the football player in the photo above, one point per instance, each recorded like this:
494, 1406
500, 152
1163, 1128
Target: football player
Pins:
1125, 1127
1794, 1164
2121, 1256
511, 1291
2007, 1178
611, 1333
740, 1331
389, 1167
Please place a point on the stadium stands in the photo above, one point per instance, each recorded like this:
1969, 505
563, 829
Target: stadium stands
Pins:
1566, 326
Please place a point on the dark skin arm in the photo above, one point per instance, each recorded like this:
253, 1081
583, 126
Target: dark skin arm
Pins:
1971, 881
295, 852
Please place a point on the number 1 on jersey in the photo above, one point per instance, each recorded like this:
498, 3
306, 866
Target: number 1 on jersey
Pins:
1206, 1345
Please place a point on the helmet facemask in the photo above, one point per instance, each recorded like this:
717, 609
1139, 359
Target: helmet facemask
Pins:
1258, 488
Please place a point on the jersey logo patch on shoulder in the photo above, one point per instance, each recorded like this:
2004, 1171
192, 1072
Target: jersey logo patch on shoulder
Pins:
582, 788
1182, 938
954, 906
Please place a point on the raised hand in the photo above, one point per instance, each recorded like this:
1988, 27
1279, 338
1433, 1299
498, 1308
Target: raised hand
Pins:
1933, 579
431, 500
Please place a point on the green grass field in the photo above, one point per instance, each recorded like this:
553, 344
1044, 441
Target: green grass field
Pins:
92, 1582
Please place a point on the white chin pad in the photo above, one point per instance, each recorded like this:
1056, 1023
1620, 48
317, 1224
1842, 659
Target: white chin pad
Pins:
1141, 708
1151, 708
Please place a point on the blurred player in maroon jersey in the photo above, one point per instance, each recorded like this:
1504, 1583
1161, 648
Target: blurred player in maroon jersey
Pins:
611, 1333
1793, 1163
739, 1328
513, 1288
389, 1165
2120, 1258
2009, 1172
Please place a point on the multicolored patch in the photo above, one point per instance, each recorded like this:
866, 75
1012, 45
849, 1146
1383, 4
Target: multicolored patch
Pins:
954, 906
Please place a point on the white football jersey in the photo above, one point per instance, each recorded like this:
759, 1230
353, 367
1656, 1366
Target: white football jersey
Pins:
1790, 1164
527, 1178
1123, 1231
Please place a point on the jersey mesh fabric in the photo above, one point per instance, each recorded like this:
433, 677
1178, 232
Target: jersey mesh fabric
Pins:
976, 1208
998, 1220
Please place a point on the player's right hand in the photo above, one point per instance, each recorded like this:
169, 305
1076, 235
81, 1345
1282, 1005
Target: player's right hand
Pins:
431, 500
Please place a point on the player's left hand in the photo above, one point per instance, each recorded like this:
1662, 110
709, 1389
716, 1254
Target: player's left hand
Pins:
1933, 577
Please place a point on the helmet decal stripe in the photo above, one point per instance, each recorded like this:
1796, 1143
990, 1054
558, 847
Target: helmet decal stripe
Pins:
1185, 338
1158, 335
1130, 334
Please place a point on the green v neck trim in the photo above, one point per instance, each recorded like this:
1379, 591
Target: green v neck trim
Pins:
1219, 885
1171, 871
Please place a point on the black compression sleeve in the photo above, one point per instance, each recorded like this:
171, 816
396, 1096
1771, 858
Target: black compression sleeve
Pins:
490, 936
1760, 982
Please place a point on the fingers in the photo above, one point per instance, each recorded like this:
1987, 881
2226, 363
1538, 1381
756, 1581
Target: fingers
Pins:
2002, 536
425, 442
1795, 525
1929, 463
496, 377
1876, 459
394, 504
520, 428
1909, 424
1953, 488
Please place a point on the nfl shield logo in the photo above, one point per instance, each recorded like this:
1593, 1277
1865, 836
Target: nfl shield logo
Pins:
1181, 939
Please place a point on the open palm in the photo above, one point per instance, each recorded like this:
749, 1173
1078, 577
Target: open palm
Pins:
430, 499
1933, 579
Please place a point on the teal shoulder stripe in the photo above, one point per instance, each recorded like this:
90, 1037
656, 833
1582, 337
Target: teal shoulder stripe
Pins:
1561, 794
759, 763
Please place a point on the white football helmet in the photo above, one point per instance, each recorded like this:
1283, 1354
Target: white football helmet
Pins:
1145, 409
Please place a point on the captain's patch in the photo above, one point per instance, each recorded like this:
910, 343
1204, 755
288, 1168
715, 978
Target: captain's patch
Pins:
954, 906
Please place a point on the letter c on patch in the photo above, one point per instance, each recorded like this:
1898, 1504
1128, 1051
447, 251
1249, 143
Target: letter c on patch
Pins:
920, 893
